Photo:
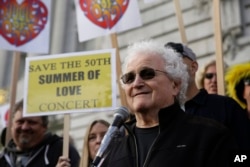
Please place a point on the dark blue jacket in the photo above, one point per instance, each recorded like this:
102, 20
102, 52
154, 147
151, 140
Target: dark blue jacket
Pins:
225, 110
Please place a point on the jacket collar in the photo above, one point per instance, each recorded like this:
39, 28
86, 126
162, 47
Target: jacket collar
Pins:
166, 116
169, 114
12, 146
200, 98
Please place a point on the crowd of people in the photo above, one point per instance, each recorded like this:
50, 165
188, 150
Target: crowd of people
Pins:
207, 103
174, 121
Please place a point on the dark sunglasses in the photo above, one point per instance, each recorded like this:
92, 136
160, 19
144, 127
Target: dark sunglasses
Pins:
247, 81
209, 75
145, 74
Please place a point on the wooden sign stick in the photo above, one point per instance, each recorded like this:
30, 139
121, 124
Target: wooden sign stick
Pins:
218, 48
180, 21
66, 128
14, 74
118, 68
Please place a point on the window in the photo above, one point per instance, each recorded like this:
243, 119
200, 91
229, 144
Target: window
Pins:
245, 13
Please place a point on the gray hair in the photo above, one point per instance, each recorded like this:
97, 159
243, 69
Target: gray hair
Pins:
174, 66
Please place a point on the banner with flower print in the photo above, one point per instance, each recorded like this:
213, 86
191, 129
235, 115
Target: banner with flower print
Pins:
103, 17
25, 25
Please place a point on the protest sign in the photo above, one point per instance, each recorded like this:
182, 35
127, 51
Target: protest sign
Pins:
4, 114
25, 25
72, 82
99, 18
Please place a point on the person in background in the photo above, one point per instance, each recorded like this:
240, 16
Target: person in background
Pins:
3, 136
32, 145
220, 108
161, 134
207, 78
238, 85
92, 141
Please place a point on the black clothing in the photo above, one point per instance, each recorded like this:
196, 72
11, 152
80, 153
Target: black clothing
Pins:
225, 110
182, 140
45, 154
145, 138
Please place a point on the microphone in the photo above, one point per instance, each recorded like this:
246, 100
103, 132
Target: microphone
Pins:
120, 116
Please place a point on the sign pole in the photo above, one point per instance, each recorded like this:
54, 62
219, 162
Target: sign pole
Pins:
66, 128
14, 74
118, 67
218, 47
180, 21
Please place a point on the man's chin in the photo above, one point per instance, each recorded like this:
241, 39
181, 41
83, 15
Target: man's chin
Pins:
24, 141
141, 107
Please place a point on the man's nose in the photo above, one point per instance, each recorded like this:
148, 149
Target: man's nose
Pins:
25, 125
138, 80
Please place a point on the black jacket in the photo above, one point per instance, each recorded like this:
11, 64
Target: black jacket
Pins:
224, 110
45, 154
183, 140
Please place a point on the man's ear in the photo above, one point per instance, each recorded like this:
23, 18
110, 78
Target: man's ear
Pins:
194, 67
176, 86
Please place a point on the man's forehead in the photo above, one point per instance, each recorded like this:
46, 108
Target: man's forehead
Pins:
18, 115
145, 59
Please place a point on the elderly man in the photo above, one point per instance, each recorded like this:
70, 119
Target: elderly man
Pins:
162, 135
32, 145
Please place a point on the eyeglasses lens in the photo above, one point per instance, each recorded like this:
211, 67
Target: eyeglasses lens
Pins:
128, 78
210, 75
145, 74
247, 81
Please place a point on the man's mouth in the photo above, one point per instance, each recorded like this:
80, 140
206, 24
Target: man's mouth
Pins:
140, 93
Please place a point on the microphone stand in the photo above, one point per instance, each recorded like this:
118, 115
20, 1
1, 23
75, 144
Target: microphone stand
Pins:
97, 162
120, 116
